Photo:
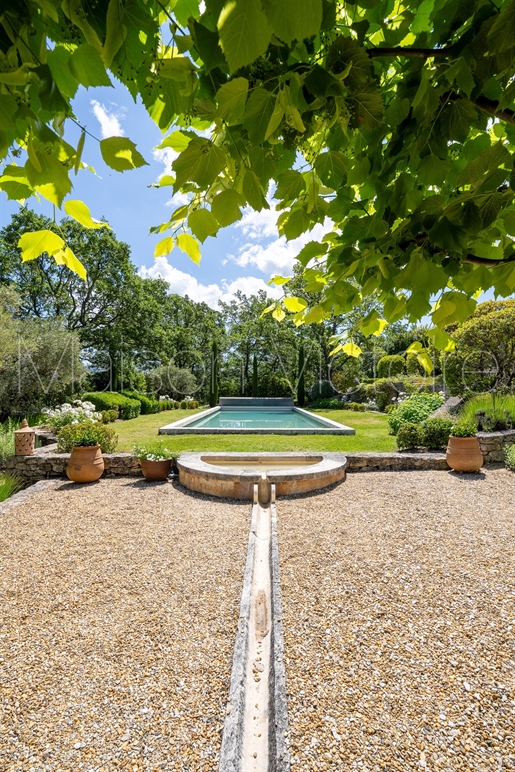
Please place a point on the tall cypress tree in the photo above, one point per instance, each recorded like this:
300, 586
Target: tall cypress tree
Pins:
300, 380
213, 381
254, 377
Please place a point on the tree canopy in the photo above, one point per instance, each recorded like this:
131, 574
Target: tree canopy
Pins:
391, 122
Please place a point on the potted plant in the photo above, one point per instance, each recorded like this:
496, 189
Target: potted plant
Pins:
463, 451
86, 441
156, 461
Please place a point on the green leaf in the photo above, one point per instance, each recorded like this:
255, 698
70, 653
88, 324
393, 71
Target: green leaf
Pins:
202, 224
440, 340
279, 280
67, 257
252, 191
201, 162
502, 32
332, 168
258, 113
226, 206
345, 55
294, 304
310, 250
184, 9
294, 19
275, 119
189, 245
178, 141
432, 170
15, 183
49, 95
457, 119
17, 77
367, 107
120, 154
477, 170
290, 185
80, 212
352, 349
34, 244
116, 31
296, 223
51, 179
278, 313
315, 315
87, 67
244, 32
231, 99
78, 152
59, 62
164, 247
425, 360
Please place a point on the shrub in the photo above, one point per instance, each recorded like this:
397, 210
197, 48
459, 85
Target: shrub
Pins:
464, 428
109, 416
111, 400
66, 414
321, 390
332, 403
390, 366
85, 435
434, 433
176, 405
148, 405
492, 412
413, 410
9, 485
413, 366
408, 435
392, 406
382, 392
169, 379
184, 405
358, 407
509, 456
166, 404
193, 404
153, 451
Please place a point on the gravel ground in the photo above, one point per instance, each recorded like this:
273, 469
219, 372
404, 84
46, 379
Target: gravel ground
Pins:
399, 615
118, 613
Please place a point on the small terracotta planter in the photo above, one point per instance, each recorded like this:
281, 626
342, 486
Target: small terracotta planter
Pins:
86, 464
464, 454
156, 470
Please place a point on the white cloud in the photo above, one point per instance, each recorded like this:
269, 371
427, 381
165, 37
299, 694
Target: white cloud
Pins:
109, 120
182, 283
278, 256
165, 156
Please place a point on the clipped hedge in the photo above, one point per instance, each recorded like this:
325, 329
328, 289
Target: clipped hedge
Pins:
413, 410
390, 366
112, 400
148, 405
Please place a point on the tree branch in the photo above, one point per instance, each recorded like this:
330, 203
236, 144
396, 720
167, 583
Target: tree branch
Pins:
412, 53
492, 108
486, 261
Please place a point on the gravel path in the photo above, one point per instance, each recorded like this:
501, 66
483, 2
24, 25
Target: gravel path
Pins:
399, 617
118, 613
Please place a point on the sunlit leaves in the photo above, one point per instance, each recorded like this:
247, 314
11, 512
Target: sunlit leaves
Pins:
201, 162
120, 154
33, 244
231, 99
258, 113
294, 19
294, 305
279, 279
15, 183
87, 67
164, 247
244, 32
80, 212
226, 206
202, 224
189, 245
332, 168
66, 257
116, 31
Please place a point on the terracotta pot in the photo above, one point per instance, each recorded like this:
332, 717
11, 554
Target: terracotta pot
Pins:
464, 454
156, 470
86, 464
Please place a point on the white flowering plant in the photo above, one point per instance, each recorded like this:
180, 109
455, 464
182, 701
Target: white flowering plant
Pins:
66, 414
153, 451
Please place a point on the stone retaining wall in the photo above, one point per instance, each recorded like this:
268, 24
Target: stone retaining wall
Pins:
493, 445
46, 463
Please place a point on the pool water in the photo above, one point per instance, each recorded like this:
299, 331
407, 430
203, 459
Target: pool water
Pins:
257, 419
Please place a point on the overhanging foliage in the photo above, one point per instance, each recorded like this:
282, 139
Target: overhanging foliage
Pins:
394, 120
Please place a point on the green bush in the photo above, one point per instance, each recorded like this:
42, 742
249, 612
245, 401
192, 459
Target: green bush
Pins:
434, 433
464, 428
509, 456
112, 400
408, 435
358, 407
184, 405
85, 435
390, 366
332, 403
9, 485
148, 405
491, 412
413, 366
176, 405
390, 407
193, 404
413, 410
109, 416
321, 390
166, 404
382, 392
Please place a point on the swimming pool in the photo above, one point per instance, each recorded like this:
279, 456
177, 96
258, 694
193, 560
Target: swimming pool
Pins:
241, 415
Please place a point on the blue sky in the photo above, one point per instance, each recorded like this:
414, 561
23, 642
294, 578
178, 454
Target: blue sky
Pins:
243, 256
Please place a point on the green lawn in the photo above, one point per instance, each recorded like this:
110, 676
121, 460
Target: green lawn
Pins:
371, 434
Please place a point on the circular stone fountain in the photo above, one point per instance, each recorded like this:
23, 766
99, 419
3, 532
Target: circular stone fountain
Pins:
233, 475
